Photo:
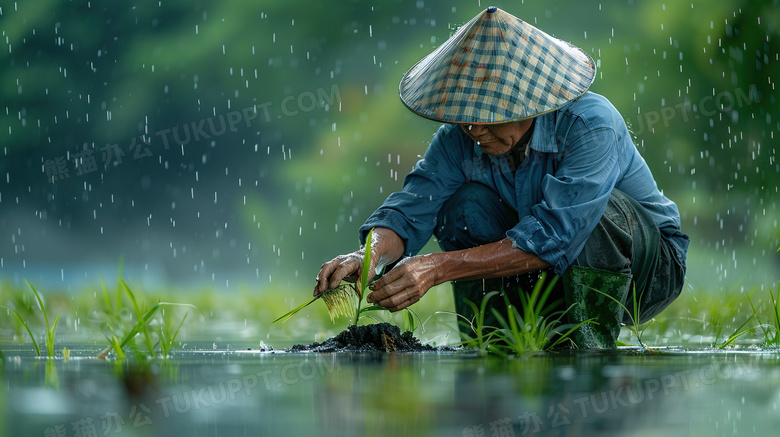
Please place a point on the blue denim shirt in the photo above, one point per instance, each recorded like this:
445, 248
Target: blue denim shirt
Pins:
576, 156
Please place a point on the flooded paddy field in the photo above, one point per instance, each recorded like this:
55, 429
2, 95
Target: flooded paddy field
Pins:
208, 390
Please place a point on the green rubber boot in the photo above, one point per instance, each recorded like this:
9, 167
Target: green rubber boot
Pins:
579, 284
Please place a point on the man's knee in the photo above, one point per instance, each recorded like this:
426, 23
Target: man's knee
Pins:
472, 216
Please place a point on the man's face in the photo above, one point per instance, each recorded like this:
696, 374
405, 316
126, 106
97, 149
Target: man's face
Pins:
496, 139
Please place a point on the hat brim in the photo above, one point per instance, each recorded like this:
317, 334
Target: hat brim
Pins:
496, 69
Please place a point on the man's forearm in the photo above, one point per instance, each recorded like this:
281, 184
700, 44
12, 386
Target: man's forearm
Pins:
494, 260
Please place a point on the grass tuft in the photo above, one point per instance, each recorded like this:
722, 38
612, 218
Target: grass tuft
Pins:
532, 328
50, 328
167, 336
26, 326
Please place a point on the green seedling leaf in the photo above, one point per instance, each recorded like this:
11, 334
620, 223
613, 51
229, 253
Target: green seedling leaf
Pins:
138, 313
364, 274
106, 298
167, 339
286, 316
338, 301
50, 337
567, 335
739, 332
176, 333
142, 322
755, 314
370, 308
411, 316
40, 304
49, 330
482, 340
149, 314
633, 316
529, 327
113, 341
776, 312
26, 327
366, 264
118, 292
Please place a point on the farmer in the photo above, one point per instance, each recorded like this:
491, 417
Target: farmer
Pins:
530, 173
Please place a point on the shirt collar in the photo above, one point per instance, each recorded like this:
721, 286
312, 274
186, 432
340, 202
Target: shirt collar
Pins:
543, 138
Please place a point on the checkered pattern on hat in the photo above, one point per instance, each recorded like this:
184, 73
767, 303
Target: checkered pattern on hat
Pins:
496, 68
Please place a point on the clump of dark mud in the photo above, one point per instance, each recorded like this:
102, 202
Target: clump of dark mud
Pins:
378, 337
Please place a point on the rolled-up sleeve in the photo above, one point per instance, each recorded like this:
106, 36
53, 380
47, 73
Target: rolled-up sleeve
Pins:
412, 212
574, 197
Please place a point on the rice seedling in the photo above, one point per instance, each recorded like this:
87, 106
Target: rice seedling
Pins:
21, 302
140, 314
771, 328
26, 326
112, 310
740, 331
51, 377
484, 336
637, 329
166, 338
50, 328
775, 321
534, 329
340, 301
412, 321
363, 284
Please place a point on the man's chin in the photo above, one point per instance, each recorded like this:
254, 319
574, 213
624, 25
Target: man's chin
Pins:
493, 149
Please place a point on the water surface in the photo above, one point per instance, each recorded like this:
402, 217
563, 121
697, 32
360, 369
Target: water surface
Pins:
208, 391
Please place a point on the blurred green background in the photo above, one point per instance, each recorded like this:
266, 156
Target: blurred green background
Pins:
233, 143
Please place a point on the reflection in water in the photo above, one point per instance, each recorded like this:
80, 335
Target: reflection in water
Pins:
250, 393
52, 380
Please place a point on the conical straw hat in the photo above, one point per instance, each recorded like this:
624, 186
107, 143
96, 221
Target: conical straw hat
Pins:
495, 69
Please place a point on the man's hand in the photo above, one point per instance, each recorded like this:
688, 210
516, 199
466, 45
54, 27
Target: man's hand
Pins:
386, 247
411, 278
405, 284
342, 268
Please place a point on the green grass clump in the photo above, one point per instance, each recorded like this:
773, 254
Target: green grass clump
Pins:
636, 328
771, 327
532, 328
167, 336
50, 328
484, 337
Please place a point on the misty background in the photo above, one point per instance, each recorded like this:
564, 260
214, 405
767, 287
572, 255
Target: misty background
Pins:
231, 144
